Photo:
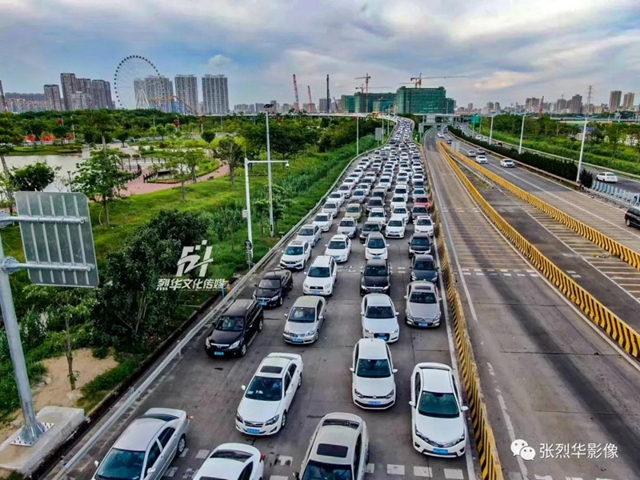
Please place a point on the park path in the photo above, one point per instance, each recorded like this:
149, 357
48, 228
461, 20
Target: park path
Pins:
139, 187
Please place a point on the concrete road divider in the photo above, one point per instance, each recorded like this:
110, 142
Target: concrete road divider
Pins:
611, 324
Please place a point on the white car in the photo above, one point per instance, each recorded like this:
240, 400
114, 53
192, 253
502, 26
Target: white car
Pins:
402, 212
418, 192
321, 277
266, 401
346, 190
375, 247
607, 177
398, 201
348, 226
438, 425
332, 208
359, 195
337, 197
471, 153
507, 163
395, 228
385, 182
379, 317
339, 247
424, 224
324, 221
377, 215
373, 384
401, 190
232, 461
304, 320
478, 137
296, 255
309, 233
481, 158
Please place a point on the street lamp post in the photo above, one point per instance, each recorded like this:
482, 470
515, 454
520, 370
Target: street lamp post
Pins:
247, 192
357, 135
522, 133
270, 179
491, 130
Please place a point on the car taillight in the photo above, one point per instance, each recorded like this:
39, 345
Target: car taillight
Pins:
190, 417
262, 457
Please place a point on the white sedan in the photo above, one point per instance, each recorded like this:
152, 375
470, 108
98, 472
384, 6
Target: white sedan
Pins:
232, 461
339, 247
266, 401
402, 212
395, 228
607, 177
324, 221
481, 158
379, 317
398, 201
331, 208
507, 163
424, 224
373, 384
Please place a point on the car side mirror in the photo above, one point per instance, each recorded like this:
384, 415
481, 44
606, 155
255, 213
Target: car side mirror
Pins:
286, 315
395, 370
296, 476
351, 369
412, 403
405, 297
465, 408
243, 387
151, 471
397, 314
96, 463
255, 284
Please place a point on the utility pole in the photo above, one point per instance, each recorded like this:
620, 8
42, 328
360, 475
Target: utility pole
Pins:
584, 134
524, 114
270, 179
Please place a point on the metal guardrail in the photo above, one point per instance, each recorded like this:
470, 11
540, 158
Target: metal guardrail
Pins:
609, 322
133, 394
619, 195
489, 460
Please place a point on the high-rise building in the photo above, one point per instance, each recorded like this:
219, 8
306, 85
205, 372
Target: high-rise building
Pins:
421, 100
309, 107
348, 103
382, 101
286, 107
215, 93
614, 100
80, 101
450, 106
470, 106
52, 97
140, 92
575, 104
25, 102
324, 105
159, 92
561, 105
532, 104
240, 108
69, 85
496, 106
187, 93
490, 105
259, 107
627, 103
101, 94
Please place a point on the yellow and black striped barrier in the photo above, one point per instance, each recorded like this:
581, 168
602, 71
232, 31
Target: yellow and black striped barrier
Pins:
603, 241
490, 467
610, 323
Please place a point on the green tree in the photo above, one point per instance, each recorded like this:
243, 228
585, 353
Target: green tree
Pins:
162, 131
614, 134
37, 128
10, 135
102, 122
231, 153
123, 136
60, 132
67, 306
177, 162
225, 222
208, 136
34, 177
100, 178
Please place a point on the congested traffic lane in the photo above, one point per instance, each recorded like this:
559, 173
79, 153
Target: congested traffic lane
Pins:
548, 377
210, 389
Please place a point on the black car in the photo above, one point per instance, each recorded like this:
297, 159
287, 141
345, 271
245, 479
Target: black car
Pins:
420, 243
368, 228
374, 203
376, 277
234, 329
419, 211
632, 217
423, 267
273, 287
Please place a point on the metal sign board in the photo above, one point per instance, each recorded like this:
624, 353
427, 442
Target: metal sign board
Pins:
475, 120
379, 134
57, 237
421, 128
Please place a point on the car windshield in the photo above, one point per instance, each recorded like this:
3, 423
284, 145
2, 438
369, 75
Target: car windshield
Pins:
419, 209
330, 206
293, 251
376, 243
371, 227
422, 296
373, 368
398, 199
322, 218
347, 223
401, 190
302, 315
121, 465
266, 389
230, 324
375, 271
337, 245
324, 471
319, 272
399, 210
420, 241
306, 232
377, 214
424, 221
439, 405
424, 265
353, 208
396, 223
422, 200
269, 284
379, 311
358, 193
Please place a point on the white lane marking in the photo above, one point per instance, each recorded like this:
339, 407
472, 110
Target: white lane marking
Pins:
190, 473
395, 469
171, 472
479, 274
284, 460
510, 430
278, 477
202, 454
184, 453
602, 478
571, 271
370, 468
521, 275
491, 370
422, 472
544, 477
573, 478
507, 274
515, 476
453, 474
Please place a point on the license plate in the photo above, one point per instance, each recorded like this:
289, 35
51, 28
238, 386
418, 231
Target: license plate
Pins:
375, 402
424, 324
218, 353
315, 292
442, 451
262, 303
253, 430
377, 256
297, 340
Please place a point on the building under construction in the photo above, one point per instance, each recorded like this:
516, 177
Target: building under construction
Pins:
421, 100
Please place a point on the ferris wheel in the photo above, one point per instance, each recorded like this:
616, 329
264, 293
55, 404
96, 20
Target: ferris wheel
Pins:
138, 83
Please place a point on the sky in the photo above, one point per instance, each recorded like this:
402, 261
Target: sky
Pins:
496, 50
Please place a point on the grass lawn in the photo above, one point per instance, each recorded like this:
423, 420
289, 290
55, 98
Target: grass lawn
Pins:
204, 168
68, 149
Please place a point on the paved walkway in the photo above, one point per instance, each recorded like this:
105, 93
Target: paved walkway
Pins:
139, 187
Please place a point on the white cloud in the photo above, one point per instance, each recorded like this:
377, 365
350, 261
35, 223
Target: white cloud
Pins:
218, 62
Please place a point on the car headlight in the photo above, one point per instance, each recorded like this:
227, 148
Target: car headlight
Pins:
358, 394
413, 277
235, 344
390, 395
239, 418
397, 330
276, 296
456, 441
368, 332
421, 436
409, 316
272, 420
310, 332
207, 342
437, 316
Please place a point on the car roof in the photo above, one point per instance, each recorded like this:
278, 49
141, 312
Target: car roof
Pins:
422, 285
308, 225
350, 219
423, 257
322, 213
378, 299
297, 243
376, 262
435, 377
340, 435
238, 307
339, 237
306, 301
375, 235
420, 235
139, 434
273, 366
397, 217
322, 261
372, 348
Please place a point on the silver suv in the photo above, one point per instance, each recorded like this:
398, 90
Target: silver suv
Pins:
339, 448
147, 447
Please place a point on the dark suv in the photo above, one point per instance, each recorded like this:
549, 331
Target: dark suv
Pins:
420, 243
234, 329
376, 277
273, 287
632, 217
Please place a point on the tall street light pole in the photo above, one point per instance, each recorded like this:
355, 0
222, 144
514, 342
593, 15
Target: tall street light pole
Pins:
270, 179
491, 130
584, 135
357, 135
522, 132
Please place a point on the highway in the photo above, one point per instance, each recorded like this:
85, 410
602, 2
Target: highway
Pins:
625, 183
548, 376
210, 389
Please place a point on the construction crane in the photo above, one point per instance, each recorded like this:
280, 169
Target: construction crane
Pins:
309, 90
335, 103
366, 79
541, 105
417, 81
296, 104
